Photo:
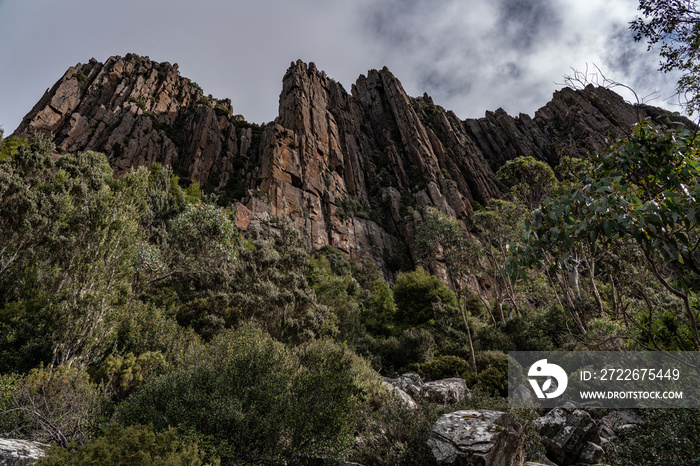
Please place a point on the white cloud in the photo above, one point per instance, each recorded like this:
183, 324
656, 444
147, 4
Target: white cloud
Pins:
470, 56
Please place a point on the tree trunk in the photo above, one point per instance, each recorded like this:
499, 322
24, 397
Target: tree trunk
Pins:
500, 311
596, 294
469, 332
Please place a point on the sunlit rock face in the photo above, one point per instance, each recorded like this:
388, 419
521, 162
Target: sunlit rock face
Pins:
352, 170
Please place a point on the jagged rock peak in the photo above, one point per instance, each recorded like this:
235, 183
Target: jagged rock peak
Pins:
139, 112
352, 170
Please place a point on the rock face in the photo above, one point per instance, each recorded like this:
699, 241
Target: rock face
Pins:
20, 452
140, 112
351, 169
477, 438
570, 436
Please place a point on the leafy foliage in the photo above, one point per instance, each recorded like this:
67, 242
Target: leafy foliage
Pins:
416, 293
68, 230
59, 405
529, 180
674, 27
668, 437
134, 445
252, 399
441, 238
644, 190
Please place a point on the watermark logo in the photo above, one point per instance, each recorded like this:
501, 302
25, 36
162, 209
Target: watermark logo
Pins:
543, 369
607, 379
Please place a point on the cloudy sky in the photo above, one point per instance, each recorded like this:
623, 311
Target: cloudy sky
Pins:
469, 55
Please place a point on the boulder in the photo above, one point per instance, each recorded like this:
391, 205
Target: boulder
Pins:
477, 437
401, 395
410, 383
568, 435
443, 391
590, 453
20, 452
446, 391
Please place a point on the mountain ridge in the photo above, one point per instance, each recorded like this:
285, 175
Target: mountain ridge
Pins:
352, 170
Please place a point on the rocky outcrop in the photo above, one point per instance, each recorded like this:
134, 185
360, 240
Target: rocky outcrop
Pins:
352, 170
141, 112
443, 391
572, 123
478, 438
20, 452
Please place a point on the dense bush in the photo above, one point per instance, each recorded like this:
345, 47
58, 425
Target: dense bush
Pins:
442, 367
253, 400
398, 353
53, 405
133, 445
124, 374
492, 375
416, 293
668, 437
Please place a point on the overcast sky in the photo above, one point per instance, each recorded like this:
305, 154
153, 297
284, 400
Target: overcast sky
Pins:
469, 55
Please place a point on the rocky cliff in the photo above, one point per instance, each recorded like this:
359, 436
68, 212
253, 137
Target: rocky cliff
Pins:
350, 169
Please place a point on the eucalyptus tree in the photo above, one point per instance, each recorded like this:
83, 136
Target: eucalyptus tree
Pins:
643, 191
441, 239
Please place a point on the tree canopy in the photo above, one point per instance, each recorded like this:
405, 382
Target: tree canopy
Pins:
674, 26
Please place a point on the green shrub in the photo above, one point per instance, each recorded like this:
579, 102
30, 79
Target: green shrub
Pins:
488, 338
9, 146
339, 262
669, 437
493, 373
397, 435
398, 353
54, 405
9, 384
251, 399
416, 293
527, 335
443, 367
124, 374
351, 207
133, 445
80, 76
147, 328
221, 111
139, 101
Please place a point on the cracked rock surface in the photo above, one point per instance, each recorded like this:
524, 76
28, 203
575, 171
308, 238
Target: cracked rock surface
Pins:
477, 437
